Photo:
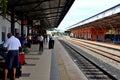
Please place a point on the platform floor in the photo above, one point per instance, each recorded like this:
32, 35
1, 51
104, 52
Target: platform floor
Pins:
109, 45
38, 65
52, 64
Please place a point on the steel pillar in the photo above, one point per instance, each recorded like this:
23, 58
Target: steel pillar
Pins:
22, 25
13, 20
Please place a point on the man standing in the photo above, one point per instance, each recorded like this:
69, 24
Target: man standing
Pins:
12, 45
51, 42
40, 39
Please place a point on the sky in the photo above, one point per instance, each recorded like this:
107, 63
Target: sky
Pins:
83, 9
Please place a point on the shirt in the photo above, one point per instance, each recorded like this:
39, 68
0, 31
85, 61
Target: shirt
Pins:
12, 43
40, 38
51, 38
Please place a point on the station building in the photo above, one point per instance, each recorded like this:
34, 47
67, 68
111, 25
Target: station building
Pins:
104, 26
5, 27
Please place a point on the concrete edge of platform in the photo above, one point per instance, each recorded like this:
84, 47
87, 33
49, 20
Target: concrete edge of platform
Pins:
54, 72
67, 68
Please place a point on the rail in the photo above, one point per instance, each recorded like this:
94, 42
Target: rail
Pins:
88, 67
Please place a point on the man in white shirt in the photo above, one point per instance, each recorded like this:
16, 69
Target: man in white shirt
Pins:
12, 45
40, 39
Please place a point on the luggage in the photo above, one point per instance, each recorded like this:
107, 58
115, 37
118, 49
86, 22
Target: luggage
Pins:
10, 72
22, 58
2, 52
18, 72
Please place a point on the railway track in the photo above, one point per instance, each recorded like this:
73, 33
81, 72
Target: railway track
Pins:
107, 54
89, 68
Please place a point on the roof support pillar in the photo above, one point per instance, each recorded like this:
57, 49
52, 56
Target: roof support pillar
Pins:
22, 29
28, 26
115, 35
32, 26
13, 20
110, 25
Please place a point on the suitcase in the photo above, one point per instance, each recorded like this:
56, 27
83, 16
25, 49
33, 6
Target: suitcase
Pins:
18, 72
22, 58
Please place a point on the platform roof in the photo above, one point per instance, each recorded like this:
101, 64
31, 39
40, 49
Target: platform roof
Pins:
49, 12
107, 19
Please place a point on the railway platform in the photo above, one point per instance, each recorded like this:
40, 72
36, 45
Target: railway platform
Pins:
52, 64
56, 64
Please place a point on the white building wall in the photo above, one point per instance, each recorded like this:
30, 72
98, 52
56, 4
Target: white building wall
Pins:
25, 29
18, 27
5, 27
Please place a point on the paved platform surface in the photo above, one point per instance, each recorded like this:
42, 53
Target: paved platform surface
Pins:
38, 64
109, 45
52, 64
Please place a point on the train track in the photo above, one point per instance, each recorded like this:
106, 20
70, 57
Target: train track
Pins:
101, 52
89, 68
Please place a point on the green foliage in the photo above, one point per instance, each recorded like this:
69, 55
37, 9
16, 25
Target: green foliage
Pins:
4, 7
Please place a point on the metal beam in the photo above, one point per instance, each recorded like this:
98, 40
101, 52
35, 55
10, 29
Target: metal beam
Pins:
37, 17
33, 14
42, 9
29, 3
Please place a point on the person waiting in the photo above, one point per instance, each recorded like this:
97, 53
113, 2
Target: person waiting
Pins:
12, 45
40, 39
